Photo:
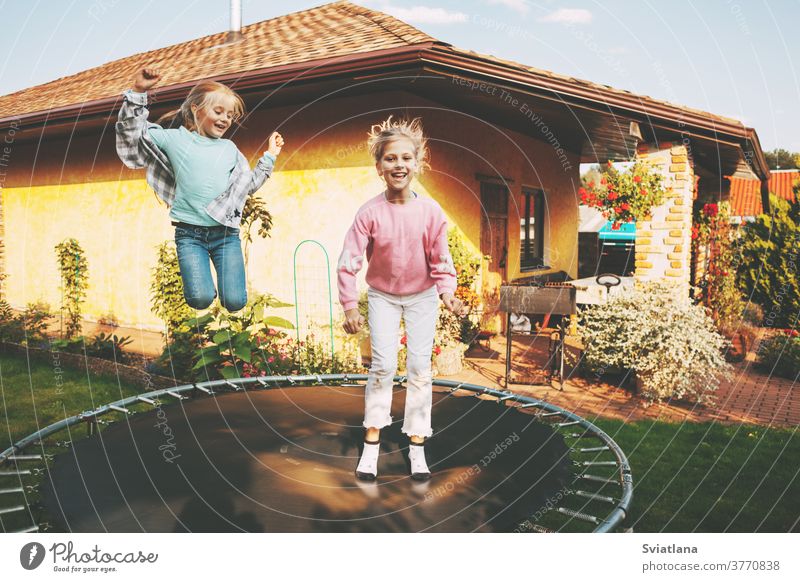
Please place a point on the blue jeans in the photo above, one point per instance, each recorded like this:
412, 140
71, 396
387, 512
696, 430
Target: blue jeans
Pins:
196, 245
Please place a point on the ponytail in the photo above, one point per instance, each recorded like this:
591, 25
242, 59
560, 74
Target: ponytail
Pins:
171, 120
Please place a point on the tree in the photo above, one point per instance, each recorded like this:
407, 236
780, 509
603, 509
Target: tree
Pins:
781, 159
770, 256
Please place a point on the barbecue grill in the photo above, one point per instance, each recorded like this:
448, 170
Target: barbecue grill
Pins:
532, 297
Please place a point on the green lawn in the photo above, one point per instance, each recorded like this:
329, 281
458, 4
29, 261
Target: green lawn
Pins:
687, 477
711, 477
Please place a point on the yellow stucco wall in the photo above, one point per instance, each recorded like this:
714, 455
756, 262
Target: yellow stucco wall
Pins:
321, 179
118, 224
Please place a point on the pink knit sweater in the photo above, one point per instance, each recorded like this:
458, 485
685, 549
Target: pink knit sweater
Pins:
406, 249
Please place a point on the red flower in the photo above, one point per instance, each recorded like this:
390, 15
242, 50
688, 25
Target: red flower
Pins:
617, 209
710, 210
612, 195
637, 179
609, 164
643, 192
582, 191
437, 350
625, 206
590, 184
602, 181
615, 226
403, 340
271, 359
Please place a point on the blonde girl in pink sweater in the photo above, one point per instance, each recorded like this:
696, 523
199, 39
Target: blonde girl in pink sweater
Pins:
404, 240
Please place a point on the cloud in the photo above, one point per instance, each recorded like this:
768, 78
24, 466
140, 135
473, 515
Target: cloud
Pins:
568, 16
520, 6
425, 15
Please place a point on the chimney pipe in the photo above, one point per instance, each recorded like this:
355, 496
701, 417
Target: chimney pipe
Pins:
235, 32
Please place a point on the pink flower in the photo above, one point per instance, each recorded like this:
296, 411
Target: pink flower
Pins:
271, 359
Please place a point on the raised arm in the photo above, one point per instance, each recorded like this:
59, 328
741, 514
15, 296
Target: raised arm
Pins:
132, 120
263, 169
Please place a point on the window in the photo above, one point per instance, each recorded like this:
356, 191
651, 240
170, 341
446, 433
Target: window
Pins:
531, 236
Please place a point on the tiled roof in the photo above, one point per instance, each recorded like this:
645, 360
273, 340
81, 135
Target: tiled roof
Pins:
332, 30
746, 194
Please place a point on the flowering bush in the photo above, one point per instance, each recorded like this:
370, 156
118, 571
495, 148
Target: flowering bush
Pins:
712, 232
780, 354
670, 344
624, 196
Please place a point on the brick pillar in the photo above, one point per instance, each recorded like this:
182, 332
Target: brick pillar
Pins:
663, 244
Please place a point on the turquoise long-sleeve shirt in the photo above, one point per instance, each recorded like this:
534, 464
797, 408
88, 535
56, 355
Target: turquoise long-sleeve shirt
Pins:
202, 167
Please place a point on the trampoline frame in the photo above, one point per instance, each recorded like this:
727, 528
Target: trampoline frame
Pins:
546, 411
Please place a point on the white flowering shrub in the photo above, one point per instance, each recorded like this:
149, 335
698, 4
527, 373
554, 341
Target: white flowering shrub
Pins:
670, 344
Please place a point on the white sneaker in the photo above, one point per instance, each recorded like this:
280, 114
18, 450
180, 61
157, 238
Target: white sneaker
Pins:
419, 468
367, 469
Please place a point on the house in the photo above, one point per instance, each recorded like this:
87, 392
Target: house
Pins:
745, 198
506, 143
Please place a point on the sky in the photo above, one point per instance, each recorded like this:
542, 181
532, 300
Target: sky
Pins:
737, 58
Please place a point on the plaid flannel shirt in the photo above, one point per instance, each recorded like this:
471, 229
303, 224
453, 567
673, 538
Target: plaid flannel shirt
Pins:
137, 150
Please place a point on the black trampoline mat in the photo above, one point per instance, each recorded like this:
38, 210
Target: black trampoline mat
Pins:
283, 460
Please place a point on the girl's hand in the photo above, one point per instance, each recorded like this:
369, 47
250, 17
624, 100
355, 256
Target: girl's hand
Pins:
146, 78
453, 304
353, 321
275, 143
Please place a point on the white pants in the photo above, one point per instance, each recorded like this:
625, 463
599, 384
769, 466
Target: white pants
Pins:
420, 313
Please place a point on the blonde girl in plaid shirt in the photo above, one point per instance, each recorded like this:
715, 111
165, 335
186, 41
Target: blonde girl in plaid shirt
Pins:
204, 179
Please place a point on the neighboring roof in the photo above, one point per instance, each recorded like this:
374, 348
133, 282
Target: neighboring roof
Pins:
332, 30
745, 195
332, 39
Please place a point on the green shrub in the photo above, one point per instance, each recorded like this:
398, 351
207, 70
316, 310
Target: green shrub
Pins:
74, 281
107, 347
166, 291
35, 320
769, 274
11, 329
780, 354
669, 343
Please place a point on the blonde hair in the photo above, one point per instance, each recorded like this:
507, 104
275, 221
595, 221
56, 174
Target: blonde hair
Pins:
388, 131
200, 95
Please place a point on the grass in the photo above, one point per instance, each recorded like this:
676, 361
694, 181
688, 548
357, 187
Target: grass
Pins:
687, 477
33, 395
709, 477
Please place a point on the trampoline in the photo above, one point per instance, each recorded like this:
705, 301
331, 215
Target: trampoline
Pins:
277, 454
